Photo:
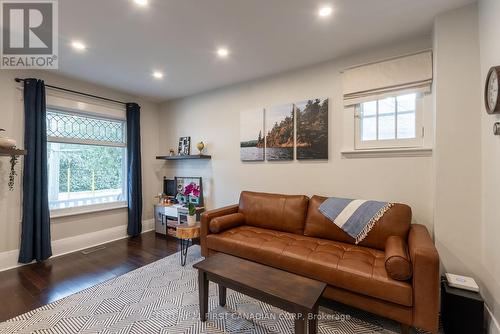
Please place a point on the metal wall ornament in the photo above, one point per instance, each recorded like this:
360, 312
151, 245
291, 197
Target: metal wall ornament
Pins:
496, 129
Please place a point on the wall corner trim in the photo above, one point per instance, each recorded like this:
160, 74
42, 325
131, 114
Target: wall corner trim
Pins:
8, 259
492, 326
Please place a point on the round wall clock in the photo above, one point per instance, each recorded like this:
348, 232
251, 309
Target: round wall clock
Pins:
491, 91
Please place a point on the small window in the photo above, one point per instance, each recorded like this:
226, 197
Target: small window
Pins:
86, 160
390, 122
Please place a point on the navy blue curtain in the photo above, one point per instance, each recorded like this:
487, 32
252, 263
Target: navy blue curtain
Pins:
35, 234
134, 169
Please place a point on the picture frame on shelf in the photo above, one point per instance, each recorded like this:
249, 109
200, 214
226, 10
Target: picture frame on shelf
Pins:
184, 146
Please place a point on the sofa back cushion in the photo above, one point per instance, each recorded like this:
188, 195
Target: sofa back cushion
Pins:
396, 221
284, 213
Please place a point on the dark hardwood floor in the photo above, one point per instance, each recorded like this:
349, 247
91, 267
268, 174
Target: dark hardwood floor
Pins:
28, 287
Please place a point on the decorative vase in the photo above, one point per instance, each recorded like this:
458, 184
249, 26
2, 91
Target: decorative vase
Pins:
191, 220
200, 146
7, 142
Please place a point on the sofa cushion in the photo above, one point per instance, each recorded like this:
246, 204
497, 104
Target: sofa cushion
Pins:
222, 223
276, 212
342, 265
396, 221
397, 260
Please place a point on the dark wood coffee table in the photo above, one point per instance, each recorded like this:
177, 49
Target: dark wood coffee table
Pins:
292, 293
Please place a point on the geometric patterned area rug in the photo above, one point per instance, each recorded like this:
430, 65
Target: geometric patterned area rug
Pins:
162, 297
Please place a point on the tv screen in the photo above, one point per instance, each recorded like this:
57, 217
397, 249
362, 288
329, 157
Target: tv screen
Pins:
169, 187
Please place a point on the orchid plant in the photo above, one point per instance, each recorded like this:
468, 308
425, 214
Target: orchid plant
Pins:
191, 191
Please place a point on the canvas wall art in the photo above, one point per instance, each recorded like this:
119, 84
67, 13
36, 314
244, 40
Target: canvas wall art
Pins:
252, 135
280, 133
312, 129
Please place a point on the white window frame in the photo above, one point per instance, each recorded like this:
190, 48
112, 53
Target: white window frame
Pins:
416, 142
75, 106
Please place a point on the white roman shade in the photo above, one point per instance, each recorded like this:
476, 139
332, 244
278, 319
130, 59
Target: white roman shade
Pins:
412, 73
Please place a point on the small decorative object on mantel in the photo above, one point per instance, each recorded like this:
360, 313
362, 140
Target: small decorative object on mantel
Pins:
184, 146
171, 152
491, 91
200, 146
6, 142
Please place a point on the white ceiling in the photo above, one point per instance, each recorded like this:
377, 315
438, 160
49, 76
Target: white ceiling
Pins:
179, 37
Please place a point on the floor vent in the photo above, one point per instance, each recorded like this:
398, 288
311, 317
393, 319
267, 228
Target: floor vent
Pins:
93, 250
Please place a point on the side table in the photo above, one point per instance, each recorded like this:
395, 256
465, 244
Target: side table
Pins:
186, 234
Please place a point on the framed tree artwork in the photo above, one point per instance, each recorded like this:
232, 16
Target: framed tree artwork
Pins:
312, 129
280, 133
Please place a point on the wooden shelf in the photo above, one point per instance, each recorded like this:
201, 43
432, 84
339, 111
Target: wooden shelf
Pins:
184, 157
11, 151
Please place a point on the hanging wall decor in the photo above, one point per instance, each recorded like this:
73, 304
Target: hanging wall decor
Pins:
279, 133
252, 135
312, 129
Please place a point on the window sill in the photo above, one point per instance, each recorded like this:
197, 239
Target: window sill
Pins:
388, 153
80, 210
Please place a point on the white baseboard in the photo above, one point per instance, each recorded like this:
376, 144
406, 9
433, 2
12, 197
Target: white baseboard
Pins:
492, 326
8, 260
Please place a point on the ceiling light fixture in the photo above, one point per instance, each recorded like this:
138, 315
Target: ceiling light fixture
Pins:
77, 45
141, 2
157, 75
222, 52
325, 11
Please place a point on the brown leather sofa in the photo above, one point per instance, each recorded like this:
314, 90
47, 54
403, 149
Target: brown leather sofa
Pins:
393, 272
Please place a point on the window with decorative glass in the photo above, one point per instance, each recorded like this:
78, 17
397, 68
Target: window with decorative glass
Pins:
390, 122
86, 160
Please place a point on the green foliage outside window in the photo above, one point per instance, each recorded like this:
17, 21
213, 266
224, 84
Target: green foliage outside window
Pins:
90, 168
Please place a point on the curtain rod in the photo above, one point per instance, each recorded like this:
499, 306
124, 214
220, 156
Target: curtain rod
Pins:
77, 92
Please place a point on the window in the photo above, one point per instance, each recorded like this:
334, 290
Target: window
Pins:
86, 160
390, 122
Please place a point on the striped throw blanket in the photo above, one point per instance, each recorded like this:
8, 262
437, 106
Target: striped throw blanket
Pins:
355, 217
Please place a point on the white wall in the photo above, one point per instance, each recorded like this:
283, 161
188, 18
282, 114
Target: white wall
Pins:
489, 29
466, 216
11, 118
458, 139
214, 118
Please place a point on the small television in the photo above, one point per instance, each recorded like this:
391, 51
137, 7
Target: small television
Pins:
169, 187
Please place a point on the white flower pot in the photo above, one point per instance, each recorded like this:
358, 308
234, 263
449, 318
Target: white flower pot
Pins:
191, 220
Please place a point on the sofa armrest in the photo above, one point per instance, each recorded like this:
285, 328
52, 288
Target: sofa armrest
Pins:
206, 218
425, 262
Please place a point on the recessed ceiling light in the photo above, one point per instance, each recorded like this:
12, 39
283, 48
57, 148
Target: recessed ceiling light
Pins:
141, 2
222, 52
157, 75
325, 11
77, 45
